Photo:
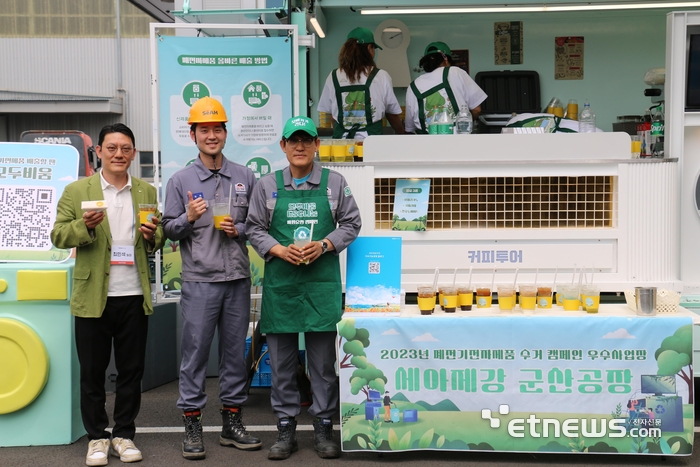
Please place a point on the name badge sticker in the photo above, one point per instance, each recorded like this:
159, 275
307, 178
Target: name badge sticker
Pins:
123, 255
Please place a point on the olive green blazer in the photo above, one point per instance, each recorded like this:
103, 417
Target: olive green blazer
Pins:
93, 248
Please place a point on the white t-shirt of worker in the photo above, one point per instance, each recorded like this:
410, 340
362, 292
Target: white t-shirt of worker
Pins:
381, 93
464, 88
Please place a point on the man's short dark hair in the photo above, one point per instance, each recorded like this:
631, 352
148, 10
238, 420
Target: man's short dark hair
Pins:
193, 127
116, 128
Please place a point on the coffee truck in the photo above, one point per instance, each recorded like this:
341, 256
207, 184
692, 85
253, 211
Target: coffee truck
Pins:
88, 162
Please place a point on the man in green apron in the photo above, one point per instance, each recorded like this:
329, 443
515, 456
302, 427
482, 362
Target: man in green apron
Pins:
299, 219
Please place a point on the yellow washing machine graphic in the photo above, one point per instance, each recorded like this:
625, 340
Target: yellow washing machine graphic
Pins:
24, 365
39, 370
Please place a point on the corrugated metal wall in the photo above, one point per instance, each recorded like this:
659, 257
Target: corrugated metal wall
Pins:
79, 67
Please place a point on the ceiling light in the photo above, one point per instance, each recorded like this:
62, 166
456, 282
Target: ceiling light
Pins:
317, 20
529, 8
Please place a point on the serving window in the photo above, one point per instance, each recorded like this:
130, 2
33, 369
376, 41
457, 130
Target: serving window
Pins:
509, 202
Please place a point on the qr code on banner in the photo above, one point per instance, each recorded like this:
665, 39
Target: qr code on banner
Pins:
374, 267
27, 215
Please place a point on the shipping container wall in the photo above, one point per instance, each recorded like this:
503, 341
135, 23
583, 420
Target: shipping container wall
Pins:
86, 67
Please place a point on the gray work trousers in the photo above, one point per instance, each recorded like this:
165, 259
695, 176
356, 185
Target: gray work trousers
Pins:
206, 306
321, 357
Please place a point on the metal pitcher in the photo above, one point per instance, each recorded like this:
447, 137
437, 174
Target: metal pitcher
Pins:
645, 299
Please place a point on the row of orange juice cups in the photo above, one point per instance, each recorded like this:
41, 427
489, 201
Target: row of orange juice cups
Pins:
340, 150
571, 297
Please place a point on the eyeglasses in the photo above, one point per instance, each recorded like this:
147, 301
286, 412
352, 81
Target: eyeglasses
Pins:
112, 150
306, 141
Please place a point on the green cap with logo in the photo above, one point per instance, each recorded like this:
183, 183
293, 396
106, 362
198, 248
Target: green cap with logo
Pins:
299, 123
437, 47
363, 36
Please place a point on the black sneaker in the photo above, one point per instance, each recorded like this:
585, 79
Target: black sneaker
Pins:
234, 433
324, 445
193, 445
286, 439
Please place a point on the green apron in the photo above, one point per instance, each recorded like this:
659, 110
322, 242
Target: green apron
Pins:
306, 297
372, 128
421, 98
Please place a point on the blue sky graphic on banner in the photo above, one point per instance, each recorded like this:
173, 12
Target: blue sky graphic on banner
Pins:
32, 179
251, 77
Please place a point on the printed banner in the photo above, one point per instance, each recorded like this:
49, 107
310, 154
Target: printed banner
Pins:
32, 179
522, 384
252, 78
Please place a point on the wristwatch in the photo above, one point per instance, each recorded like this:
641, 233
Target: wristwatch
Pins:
324, 246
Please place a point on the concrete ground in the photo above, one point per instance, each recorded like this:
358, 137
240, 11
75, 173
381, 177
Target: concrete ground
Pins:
160, 434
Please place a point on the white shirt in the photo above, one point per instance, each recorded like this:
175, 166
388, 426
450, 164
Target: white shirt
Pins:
123, 280
381, 93
464, 88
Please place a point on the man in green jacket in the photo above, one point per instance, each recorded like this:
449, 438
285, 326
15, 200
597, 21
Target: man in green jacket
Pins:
111, 295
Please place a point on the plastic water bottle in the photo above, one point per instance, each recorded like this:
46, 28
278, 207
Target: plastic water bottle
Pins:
657, 132
444, 123
464, 120
586, 120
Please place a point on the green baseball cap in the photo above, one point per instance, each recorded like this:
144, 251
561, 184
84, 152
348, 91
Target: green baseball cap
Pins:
363, 36
299, 123
437, 47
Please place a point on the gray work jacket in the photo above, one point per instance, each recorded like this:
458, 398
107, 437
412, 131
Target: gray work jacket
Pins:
209, 255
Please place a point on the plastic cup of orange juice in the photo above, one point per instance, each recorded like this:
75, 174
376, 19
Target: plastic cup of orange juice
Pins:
146, 213
220, 213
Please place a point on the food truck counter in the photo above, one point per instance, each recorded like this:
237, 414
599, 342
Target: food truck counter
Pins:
527, 202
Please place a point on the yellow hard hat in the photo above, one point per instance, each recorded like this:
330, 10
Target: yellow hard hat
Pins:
207, 110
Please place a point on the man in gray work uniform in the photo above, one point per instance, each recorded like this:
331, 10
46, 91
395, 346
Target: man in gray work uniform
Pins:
215, 277
299, 219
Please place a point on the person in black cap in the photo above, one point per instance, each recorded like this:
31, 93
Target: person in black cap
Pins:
358, 94
443, 85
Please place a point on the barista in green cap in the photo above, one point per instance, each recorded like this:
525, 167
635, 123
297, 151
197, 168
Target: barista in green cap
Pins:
299, 219
358, 94
441, 85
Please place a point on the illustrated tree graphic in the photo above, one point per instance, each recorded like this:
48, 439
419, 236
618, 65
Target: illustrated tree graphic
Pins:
366, 376
675, 354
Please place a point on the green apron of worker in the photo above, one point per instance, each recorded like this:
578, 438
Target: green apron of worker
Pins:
372, 127
421, 98
305, 297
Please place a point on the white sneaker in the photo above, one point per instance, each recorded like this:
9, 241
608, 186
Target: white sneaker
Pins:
124, 449
98, 452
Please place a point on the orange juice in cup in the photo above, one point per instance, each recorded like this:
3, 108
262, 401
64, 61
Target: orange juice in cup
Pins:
506, 297
572, 110
324, 150
220, 211
146, 213
528, 297
591, 298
